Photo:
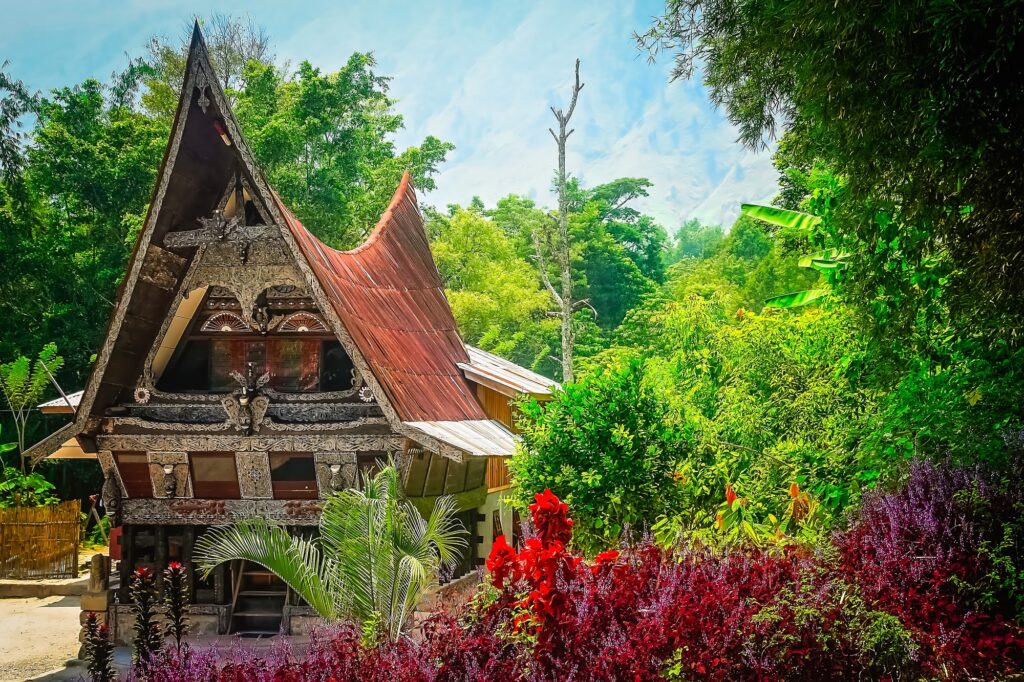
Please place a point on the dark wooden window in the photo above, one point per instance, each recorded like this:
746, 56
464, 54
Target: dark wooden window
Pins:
214, 475
293, 477
134, 470
335, 367
229, 356
296, 365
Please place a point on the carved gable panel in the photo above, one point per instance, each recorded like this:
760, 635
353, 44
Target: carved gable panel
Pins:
178, 483
347, 476
254, 475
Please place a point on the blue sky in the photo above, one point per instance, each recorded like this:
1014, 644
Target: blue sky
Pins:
481, 75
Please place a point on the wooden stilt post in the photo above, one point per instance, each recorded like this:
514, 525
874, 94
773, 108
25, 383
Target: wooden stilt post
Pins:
127, 564
188, 540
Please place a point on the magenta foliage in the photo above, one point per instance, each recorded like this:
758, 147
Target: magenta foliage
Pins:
913, 551
898, 600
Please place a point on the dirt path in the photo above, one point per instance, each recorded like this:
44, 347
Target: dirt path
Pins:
36, 635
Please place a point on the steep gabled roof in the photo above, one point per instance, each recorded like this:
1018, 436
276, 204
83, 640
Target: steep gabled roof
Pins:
390, 298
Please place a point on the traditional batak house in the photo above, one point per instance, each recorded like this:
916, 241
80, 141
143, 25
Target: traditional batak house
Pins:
250, 370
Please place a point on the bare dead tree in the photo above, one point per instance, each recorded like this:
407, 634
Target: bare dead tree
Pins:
232, 42
556, 240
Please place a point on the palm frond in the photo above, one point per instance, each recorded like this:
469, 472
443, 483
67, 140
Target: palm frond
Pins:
298, 562
375, 559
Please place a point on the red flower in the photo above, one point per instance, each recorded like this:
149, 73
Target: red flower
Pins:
730, 495
794, 491
551, 518
502, 562
603, 560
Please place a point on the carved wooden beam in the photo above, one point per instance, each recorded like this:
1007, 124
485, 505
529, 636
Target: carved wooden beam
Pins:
215, 512
217, 228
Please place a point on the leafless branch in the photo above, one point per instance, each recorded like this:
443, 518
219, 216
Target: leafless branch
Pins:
542, 265
585, 303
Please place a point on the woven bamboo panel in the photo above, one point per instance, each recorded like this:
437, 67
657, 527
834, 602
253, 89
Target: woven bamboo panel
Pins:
40, 542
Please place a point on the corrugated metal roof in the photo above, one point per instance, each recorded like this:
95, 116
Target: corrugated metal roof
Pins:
481, 437
489, 369
61, 405
389, 296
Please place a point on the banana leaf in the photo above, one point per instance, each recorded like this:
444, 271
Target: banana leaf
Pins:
796, 299
829, 259
780, 216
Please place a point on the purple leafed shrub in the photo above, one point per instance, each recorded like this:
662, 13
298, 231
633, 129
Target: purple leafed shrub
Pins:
930, 553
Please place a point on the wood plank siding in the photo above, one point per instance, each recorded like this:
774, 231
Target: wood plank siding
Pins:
497, 406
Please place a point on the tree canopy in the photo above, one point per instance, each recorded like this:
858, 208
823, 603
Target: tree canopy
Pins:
915, 105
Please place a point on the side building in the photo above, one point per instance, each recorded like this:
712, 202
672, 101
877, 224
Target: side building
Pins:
250, 370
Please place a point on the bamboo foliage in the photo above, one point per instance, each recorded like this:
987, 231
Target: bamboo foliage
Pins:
40, 542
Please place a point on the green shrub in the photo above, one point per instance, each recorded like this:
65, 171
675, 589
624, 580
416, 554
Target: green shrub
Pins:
25, 490
607, 447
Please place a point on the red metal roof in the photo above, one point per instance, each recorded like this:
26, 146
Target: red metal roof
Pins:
390, 298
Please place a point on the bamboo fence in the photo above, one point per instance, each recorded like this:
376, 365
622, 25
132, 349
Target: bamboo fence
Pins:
40, 542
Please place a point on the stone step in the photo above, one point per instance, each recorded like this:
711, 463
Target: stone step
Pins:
263, 593
256, 613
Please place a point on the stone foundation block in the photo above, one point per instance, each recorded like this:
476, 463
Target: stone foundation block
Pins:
95, 601
200, 625
301, 620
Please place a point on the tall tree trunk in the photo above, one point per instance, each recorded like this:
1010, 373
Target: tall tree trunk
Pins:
562, 243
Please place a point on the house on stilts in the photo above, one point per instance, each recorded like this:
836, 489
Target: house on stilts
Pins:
250, 370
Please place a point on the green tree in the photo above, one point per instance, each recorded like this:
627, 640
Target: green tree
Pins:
696, 240
619, 251
916, 105
494, 293
605, 445
518, 217
14, 105
88, 174
374, 558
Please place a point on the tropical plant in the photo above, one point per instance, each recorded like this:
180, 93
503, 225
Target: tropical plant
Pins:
5, 448
146, 638
374, 559
18, 489
176, 598
23, 382
826, 261
99, 650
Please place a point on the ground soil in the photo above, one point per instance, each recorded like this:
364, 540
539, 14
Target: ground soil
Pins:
36, 635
